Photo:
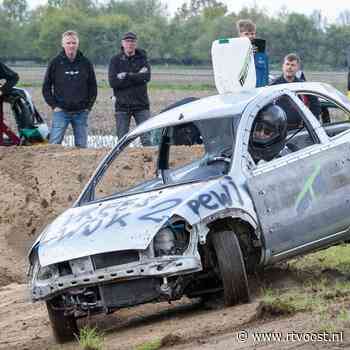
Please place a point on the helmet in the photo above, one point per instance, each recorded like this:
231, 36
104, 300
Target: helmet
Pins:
269, 133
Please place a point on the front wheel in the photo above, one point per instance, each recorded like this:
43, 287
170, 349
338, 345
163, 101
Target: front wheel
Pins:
231, 267
64, 327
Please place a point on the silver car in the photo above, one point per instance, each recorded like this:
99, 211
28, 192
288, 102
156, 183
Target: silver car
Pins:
192, 212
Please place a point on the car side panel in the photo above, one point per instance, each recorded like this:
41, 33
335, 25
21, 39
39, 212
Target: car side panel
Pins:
304, 200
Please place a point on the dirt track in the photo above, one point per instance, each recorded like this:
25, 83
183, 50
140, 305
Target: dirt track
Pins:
38, 183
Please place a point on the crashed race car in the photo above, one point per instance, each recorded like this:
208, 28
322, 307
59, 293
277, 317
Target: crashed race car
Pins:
202, 212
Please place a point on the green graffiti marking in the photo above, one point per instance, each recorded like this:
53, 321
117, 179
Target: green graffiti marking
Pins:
308, 185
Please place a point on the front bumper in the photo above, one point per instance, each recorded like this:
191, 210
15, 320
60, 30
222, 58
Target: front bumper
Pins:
155, 267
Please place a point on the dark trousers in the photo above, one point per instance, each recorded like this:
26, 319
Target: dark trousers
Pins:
123, 118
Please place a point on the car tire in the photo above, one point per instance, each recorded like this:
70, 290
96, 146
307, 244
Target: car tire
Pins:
231, 266
64, 327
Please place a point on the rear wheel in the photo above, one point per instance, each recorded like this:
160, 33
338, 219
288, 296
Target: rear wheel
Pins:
231, 267
64, 327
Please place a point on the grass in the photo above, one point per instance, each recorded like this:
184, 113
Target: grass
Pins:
176, 78
185, 87
150, 345
344, 316
152, 86
335, 258
324, 290
278, 303
334, 324
90, 339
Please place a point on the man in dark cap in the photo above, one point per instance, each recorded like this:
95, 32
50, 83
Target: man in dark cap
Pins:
129, 72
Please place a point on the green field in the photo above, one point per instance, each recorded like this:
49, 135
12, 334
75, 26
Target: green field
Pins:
168, 84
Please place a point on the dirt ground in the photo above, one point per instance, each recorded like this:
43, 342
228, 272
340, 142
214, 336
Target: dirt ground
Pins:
36, 184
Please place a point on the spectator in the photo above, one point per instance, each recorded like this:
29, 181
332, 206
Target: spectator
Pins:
10, 77
247, 28
129, 72
70, 89
290, 67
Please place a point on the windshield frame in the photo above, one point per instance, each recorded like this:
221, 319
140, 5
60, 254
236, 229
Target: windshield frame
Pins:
87, 196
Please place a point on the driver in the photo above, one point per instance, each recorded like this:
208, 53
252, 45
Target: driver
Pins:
268, 138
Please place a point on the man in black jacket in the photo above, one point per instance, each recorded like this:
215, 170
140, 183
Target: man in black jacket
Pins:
70, 89
290, 67
129, 72
10, 77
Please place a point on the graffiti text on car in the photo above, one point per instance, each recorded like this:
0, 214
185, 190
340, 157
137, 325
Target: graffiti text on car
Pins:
161, 208
212, 200
89, 220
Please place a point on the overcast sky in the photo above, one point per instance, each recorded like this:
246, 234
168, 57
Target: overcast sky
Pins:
331, 9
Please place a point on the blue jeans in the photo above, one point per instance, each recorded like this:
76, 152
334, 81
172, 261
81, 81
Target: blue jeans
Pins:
60, 123
122, 119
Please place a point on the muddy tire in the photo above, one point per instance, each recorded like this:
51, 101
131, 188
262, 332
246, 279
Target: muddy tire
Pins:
231, 266
64, 327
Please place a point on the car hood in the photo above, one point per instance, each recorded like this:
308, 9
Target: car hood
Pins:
131, 222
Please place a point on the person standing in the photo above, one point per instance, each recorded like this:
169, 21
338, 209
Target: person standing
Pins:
128, 73
70, 89
290, 67
247, 29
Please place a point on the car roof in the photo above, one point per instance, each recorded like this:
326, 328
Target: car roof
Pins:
204, 108
230, 104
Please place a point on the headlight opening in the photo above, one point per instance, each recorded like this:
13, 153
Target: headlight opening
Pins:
172, 239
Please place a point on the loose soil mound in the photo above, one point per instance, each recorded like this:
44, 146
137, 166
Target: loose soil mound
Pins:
36, 184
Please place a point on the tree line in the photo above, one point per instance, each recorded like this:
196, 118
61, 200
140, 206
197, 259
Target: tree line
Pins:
184, 38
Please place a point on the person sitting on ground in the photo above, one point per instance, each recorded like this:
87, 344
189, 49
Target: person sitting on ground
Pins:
269, 133
10, 77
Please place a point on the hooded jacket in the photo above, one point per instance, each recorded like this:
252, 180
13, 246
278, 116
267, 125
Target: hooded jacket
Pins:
10, 76
70, 85
130, 92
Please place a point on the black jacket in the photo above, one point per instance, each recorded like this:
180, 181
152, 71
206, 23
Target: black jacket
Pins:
68, 85
281, 80
10, 76
313, 102
130, 92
